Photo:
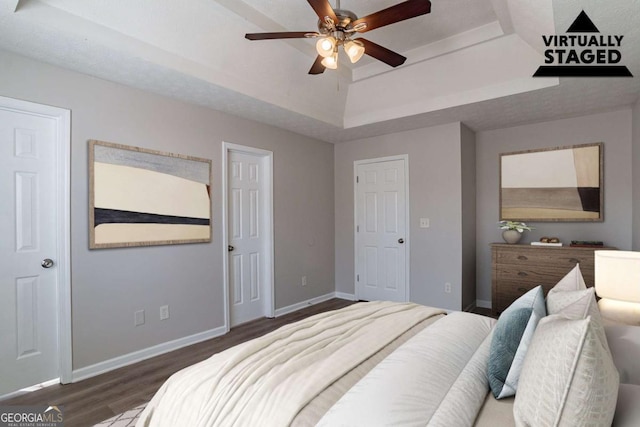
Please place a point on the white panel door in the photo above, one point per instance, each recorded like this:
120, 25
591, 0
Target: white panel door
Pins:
246, 231
28, 291
381, 231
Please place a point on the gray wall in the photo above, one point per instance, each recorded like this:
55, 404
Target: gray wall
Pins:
468, 162
435, 193
108, 285
612, 128
636, 176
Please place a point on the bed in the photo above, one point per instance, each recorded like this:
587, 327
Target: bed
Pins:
369, 364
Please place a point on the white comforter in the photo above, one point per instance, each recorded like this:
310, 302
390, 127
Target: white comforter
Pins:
437, 378
267, 381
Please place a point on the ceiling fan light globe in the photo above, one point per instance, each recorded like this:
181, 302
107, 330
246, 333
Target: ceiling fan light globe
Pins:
354, 50
331, 62
325, 46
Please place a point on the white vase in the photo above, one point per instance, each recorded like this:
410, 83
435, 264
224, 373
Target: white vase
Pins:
511, 236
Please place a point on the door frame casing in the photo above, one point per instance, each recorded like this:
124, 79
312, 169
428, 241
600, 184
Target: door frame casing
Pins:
407, 239
62, 120
267, 162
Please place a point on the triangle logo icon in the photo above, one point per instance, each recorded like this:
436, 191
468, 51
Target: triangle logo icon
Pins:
583, 24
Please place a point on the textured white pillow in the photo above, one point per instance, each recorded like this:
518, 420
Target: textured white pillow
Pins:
578, 305
573, 281
568, 377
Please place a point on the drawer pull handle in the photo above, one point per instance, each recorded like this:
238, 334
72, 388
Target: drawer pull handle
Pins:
574, 261
522, 273
522, 257
523, 290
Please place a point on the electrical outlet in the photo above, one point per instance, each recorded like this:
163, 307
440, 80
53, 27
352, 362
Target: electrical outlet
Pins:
164, 312
447, 287
424, 222
304, 280
138, 318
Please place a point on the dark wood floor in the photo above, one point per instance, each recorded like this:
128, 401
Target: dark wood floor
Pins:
96, 399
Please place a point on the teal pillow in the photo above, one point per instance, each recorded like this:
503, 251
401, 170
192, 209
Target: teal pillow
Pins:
511, 337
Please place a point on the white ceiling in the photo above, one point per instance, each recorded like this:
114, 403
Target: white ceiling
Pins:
468, 60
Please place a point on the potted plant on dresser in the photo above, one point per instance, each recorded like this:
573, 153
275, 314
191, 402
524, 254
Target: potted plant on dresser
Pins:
512, 230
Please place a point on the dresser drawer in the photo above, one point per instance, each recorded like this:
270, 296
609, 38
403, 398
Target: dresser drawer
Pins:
542, 275
545, 257
510, 290
520, 268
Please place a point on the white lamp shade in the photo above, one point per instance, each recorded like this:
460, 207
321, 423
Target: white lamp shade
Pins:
325, 46
331, 62
617, 275
354, 50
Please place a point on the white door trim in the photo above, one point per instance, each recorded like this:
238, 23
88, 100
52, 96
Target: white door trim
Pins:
407, 239
62, 119
228, 147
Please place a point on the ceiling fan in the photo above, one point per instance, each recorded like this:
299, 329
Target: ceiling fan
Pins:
337, 26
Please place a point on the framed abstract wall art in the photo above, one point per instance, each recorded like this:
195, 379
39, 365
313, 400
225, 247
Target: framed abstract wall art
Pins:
140, 197
553, 184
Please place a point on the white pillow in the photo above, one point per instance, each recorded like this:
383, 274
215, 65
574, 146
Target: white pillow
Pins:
576, 304
568, 377
573, 281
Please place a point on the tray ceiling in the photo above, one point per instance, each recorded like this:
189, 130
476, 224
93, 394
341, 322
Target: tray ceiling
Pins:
468, 60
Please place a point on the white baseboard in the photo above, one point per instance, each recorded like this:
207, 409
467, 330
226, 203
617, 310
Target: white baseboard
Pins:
483, 303
147, 353
302, 304
344, 295
30, 389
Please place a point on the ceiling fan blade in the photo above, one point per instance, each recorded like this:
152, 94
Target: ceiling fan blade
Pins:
317, 67
283, 35
382, 53
323, 8
400, 12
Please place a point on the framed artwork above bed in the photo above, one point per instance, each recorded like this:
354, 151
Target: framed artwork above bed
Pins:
140, 197
553, 184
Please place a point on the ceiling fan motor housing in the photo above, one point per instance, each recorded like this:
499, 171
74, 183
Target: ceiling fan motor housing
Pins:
345, 18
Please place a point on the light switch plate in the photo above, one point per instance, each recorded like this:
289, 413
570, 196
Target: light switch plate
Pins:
164, 312
138, 318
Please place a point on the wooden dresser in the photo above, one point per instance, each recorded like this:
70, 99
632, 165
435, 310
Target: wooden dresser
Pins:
519, 268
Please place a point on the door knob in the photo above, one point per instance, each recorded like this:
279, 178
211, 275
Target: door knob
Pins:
47, 263
401, 240
231, 248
